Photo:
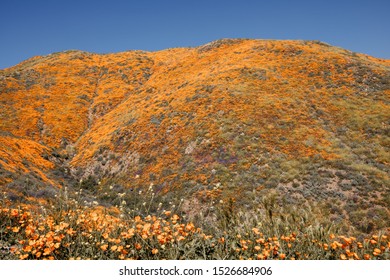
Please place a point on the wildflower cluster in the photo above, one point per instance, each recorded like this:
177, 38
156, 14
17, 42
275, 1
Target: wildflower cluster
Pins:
97, 233
92, 234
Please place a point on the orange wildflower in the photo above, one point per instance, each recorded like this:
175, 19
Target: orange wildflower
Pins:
14, 212
29, 230
347, 240
260, 256
124, 252
23, 257
113, 248
27, 248
104, 247
336, 244
349, 253
190, 226
180, 238
154, 251
137, 219
70, 231
139, 226
15, 229
175, 218
46, 251
260, 240
161, 239
376, 252
137, 246
343, 257
205, 237
147, 227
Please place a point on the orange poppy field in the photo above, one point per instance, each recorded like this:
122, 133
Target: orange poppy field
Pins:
236, 149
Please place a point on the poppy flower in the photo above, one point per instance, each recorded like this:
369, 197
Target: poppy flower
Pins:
376, 252
23, 257
113, 248
137, 246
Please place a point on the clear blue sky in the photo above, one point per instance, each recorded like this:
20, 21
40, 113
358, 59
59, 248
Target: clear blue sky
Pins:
38, 27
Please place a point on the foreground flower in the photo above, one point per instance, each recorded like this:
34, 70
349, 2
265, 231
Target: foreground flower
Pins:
138, 246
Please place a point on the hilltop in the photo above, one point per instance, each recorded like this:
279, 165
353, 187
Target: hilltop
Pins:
210, 123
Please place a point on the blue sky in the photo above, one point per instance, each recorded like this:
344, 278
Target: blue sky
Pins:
29, 28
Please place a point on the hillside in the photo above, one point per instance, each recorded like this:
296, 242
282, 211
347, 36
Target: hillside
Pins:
216, 122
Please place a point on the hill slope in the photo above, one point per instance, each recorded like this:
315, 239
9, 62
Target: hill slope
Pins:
213, 122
